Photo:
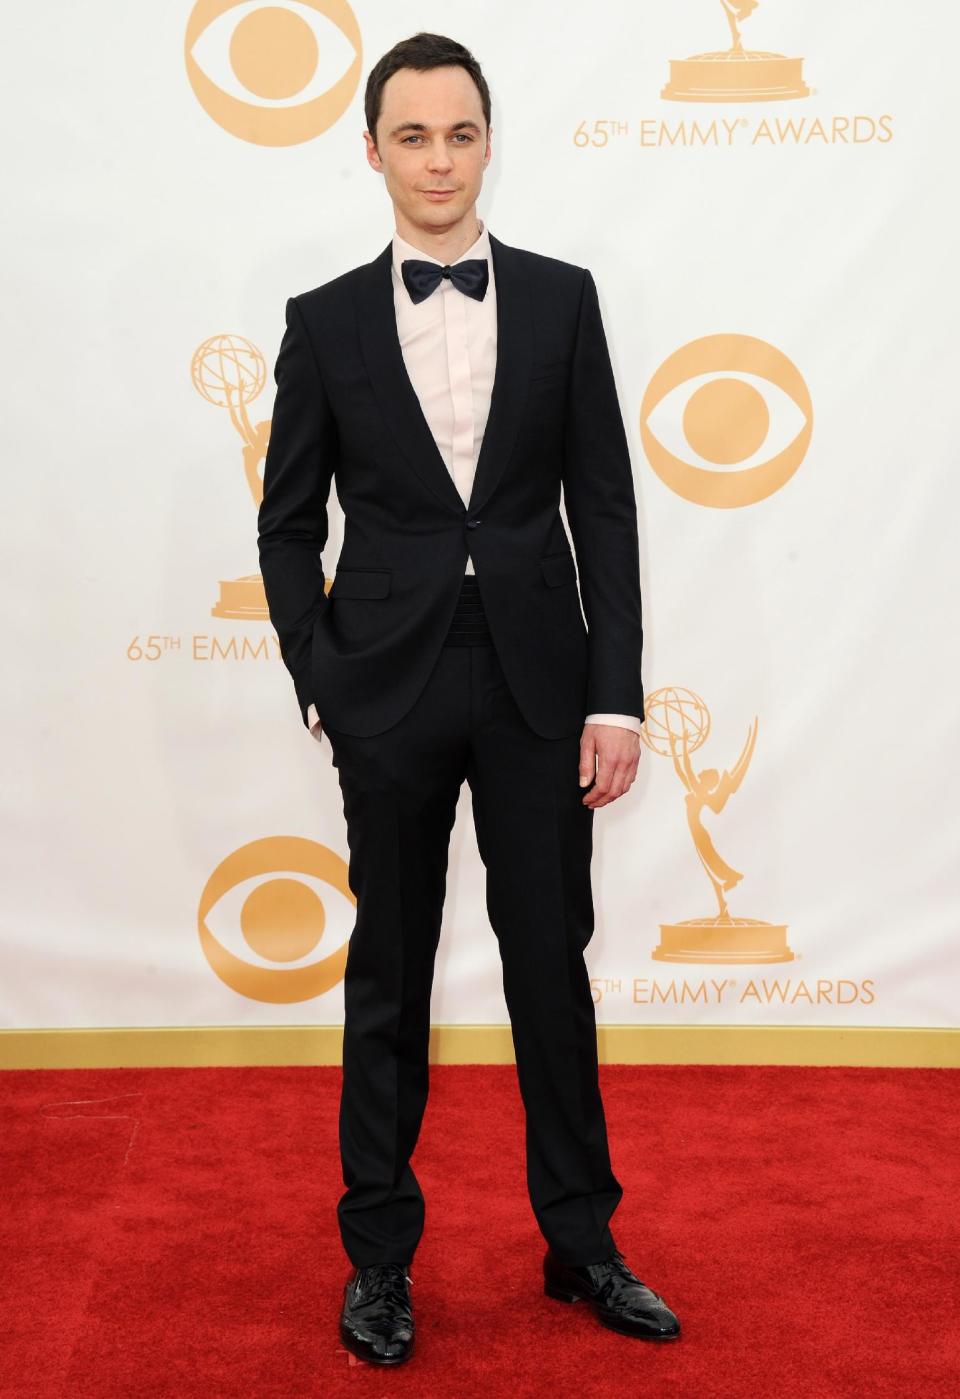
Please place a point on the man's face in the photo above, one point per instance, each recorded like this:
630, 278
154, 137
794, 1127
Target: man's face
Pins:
431, 137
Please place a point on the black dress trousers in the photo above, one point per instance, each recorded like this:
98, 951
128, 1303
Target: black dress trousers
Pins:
535, 837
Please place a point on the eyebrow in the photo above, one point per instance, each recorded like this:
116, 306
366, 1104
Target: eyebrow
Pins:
422, 126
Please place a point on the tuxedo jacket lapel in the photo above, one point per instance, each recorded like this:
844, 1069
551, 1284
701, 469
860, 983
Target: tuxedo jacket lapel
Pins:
383, 356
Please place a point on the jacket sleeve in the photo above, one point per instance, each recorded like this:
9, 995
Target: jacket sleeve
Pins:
601, 508
292, 519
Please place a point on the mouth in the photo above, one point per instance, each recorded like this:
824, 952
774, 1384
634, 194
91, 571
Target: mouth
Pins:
438, 193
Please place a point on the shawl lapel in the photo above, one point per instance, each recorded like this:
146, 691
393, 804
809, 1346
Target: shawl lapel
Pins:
383, 357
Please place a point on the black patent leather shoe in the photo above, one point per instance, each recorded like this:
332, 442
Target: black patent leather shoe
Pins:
376, 1323
620, 1300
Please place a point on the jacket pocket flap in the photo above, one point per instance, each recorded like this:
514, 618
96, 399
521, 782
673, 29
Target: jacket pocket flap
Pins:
360, 582
558, 568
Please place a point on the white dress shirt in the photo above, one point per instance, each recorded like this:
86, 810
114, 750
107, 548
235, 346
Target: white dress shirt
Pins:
449, 344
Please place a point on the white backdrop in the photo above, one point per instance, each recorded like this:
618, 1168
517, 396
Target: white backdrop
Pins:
816, 234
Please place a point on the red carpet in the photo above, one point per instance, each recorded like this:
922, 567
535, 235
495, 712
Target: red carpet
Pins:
176, 1236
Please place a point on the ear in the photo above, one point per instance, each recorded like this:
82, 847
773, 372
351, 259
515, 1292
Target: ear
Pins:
373, 156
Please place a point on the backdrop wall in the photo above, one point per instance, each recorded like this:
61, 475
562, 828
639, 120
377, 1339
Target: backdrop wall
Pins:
773, 231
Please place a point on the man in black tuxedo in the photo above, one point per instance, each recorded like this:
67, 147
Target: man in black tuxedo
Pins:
453, 386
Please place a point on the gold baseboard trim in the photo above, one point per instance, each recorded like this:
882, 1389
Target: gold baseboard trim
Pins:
211, 1046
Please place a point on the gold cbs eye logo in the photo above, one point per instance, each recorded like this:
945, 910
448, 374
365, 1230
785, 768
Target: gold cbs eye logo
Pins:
282, 919
726, 420
273, 54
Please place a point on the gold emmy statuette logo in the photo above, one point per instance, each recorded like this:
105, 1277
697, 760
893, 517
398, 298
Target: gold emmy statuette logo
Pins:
677, 724
726, 420
229, 372
735, 74
282, 919
272, 56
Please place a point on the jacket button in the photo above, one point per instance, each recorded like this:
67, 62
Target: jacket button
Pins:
472, 524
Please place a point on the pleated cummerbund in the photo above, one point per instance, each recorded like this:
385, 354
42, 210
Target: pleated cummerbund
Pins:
469, 625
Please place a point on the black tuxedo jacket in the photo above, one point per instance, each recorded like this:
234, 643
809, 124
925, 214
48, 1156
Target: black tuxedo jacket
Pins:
345, 408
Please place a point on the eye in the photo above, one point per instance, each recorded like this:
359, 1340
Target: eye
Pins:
726, 420
416, 136
739, 408
285, 914
274, 75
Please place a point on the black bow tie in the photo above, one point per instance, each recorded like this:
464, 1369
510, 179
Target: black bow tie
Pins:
420, 277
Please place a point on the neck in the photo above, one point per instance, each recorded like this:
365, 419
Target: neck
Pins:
445, 244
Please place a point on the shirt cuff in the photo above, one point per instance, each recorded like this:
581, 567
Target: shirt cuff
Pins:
622, 721
313, 719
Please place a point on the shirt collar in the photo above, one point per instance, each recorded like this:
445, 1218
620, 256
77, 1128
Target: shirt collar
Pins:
402, 249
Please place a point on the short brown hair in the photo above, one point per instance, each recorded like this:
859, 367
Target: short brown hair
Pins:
421, 51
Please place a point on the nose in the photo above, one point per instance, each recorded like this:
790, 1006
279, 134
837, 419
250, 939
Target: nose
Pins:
439, 157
